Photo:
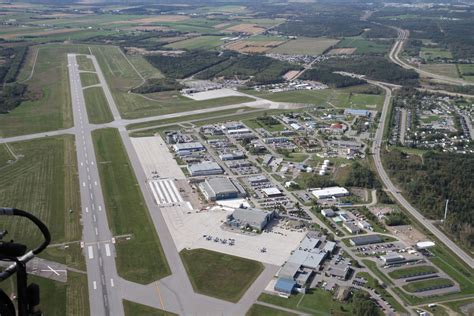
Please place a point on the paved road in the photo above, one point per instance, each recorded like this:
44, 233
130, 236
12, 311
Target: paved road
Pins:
376, 148
397, 49
99, 251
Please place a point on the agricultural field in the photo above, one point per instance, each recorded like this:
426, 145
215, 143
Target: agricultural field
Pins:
220, 275
89, 79
247, 28
200, 42
49, 84
305, 46
466, 71
127, 213
449, 70
253, 46
98, 109
364, 46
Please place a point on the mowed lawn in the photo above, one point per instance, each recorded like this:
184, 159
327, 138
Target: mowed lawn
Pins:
305, 46
98, 109
135, 309
449, 70
121, 77
200, 42
220, 275
144, 67
89, 79
261, 310
411, 272
427, 285
51, 107
85, 63
140, 259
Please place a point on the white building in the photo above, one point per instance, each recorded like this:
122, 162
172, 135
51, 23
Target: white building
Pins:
331, 192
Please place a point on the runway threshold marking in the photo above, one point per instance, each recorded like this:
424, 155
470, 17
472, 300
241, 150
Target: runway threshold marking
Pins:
107, 250
91, 252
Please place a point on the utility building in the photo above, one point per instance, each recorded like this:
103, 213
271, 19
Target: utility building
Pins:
205, 169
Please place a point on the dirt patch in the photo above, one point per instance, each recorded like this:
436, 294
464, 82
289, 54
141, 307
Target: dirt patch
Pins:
291, 74
245, 28
407, 234
40, 33
342, 51
253, 46
221, 25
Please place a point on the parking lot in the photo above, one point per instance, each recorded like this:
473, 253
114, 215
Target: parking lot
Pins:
191, 229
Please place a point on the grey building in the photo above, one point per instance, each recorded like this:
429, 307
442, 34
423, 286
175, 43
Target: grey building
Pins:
205, 169
365, 240
250, 217
221, 188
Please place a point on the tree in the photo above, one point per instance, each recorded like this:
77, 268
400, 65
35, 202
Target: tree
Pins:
363, 305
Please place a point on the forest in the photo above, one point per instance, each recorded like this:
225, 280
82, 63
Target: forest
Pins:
429, 182
333, 80
157, 85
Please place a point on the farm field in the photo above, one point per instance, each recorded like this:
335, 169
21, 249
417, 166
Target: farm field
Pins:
448, 70
220, 275
98, 109
248, 28
200, 42
253, 46
327, 97
364, 46
89, 79
51, 108
121, 77
466, 71
127, 213
305, 46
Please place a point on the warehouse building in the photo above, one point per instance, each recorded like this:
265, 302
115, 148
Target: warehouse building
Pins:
330, 192
271, 192
351, 227
221, 188
354, 112
256, 180
327, 212
392, 258
365, 240
250, 217
205, 169
188, 147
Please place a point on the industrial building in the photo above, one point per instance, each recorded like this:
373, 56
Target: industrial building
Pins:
354, 112
327, 212
365, 240
351, 227
188, 147
271, 192
232, 156
256, 180
330, 192
341, 272
205, 169
221, 188
250, 217
285, 286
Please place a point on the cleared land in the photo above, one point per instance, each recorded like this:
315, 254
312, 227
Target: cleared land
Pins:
342, 51
305, 46
200, 42
245, 28
51, 107
89, 79
260, 310
428, 285
121, 77
127, 213
98, 109
219, 275
364, 46
448, 70
134, 309
253, 46
430, 53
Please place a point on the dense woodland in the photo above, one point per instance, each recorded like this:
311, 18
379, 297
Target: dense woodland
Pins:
320, 25
11, 93
157, 85
429, 182
333, 80
378, 68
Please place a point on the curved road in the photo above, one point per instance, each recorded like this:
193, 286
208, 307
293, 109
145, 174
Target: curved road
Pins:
397, 49
396, 193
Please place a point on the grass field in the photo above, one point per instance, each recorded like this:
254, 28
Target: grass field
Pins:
431, 53
121, 77
260, 310
364, 46
135, 309
220, 275
98, 109
328, 98
255, 123
89, 79
127, 213
305, 46
144, 68
448, 70
315, 302
458, 305
466, 71
200, 42
372, 266
51, 109
85, 64
427, 284
5, 155
411, 272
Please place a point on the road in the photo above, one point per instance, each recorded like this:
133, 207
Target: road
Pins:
99, 250
395, 58
376, 149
